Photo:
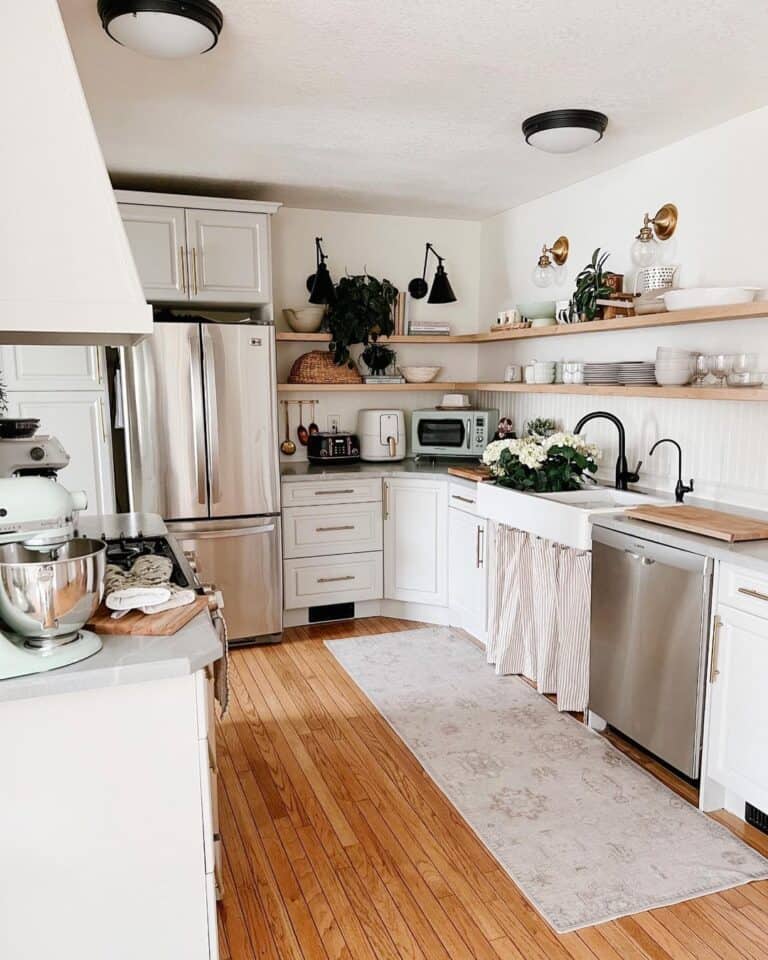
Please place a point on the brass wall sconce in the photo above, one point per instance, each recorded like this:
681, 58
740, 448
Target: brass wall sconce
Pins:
645, 248
545, 272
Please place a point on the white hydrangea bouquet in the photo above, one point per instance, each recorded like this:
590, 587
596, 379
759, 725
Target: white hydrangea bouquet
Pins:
562, 461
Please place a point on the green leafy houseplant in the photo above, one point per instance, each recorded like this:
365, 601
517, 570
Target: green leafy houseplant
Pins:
378, 357
591, 286
562, 461
541, 427
361, 312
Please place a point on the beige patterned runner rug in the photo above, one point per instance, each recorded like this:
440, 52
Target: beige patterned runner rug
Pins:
586, 834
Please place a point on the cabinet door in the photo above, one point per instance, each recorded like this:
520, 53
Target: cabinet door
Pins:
27, 367
80, 421
228, 257
467, 580
415, 541
158, 243
738, 726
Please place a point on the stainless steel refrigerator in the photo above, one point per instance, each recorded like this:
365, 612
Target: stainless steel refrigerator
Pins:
202, 451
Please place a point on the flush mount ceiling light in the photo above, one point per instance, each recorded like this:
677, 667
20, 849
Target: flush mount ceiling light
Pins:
645, 250
545, 272
441, 289
162, 28
564, 131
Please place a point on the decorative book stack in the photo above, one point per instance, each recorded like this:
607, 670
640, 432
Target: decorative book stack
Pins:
435, 328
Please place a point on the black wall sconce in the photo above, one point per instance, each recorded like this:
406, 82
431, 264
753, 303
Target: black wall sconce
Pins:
319, 283
441, 289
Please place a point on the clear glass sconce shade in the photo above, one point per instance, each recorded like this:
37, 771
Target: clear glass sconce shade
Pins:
644, 253
543, 276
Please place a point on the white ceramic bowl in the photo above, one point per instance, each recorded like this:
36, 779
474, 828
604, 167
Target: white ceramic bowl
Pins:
707, 297
423, 373
304, 319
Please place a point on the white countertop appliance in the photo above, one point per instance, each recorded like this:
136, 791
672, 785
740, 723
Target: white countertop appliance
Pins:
452, 433
382, 434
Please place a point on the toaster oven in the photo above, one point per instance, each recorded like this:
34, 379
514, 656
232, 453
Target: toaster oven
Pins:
452, 433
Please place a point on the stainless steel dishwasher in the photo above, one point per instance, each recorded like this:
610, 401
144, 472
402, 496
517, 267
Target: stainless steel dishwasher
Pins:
648, 646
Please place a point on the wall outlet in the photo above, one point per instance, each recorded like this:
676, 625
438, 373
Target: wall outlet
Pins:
334, 422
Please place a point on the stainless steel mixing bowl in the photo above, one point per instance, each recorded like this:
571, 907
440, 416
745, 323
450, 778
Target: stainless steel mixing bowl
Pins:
47, 596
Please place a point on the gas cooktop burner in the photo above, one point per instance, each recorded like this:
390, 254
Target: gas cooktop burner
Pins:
125, 551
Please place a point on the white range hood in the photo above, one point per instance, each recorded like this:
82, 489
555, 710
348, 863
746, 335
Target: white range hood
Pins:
66, 271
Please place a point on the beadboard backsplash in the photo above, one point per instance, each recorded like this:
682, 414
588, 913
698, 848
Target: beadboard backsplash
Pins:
724, 442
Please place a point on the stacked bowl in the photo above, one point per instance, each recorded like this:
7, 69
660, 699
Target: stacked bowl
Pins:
674, 368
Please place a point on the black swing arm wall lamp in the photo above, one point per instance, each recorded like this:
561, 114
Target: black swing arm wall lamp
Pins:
441, 289
319, 283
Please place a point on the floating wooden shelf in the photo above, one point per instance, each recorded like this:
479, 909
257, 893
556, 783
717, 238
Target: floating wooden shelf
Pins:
595, 390
672, 318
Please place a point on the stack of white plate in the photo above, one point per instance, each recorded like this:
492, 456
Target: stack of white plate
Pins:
637, 372
601, 373
673, 368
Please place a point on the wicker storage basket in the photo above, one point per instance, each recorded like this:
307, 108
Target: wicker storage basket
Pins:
317, 366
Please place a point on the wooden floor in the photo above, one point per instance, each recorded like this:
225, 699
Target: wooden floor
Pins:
338, 845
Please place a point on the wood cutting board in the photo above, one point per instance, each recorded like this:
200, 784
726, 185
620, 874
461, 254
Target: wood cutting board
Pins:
163, 624
709, 523
476, 474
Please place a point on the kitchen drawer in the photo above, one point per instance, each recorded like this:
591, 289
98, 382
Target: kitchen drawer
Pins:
343, 528
316, 581
744, 590
331, 490
463, 496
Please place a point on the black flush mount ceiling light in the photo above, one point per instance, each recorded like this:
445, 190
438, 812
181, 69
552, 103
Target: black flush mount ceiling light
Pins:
441, 289
564, 131
162, 28
320, 284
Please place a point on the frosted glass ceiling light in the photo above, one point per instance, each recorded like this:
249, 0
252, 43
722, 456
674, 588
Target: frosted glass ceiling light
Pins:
564, 131
545, 273
645, 249
162, 28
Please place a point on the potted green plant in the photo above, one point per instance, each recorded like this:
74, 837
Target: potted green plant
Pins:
541, 427
591, 286
378, 357
361, 312
562, 461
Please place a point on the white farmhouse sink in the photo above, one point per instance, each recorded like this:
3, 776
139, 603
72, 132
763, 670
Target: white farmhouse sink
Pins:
563, 517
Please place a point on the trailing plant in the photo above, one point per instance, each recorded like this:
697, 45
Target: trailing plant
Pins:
591, 286
377, 357
361, 312
542, 465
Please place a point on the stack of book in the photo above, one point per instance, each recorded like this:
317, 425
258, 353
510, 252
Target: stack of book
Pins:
398, 313
435, 328
384, 378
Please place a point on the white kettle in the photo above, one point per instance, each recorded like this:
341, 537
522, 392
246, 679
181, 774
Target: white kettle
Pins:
382, 434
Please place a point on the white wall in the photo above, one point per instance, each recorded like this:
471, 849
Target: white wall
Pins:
387, 246
716, 178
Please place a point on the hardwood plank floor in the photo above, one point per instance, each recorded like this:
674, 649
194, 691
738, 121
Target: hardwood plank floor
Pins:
338, 846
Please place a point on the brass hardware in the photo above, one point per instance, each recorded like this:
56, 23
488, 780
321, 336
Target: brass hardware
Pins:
346, 526
559, 251
194, 269
182, 270
455, 496
662, 225
755, 594
99, 374
334, 579
103, 418
714, 673
478, 534
386, 500
325, 493
392, 446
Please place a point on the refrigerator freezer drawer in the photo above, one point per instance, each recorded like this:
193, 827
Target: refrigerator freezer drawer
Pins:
316, 581
243, 560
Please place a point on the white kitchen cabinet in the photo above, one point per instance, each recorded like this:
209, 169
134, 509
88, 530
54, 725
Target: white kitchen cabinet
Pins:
737, 742
416, 540
157, 237
28, 367
228, 256
467, 571
80, 421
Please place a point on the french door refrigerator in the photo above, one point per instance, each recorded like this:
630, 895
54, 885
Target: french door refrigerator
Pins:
202, 452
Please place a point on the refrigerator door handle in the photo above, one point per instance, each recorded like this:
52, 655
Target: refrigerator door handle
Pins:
212, 410
196, 390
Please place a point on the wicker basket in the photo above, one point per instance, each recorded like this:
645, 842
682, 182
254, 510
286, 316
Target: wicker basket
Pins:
317, 366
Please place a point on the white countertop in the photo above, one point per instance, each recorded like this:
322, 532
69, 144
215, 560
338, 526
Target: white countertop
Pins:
290, 472
125, 659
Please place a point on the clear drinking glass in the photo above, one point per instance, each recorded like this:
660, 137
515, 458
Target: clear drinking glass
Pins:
700, 370
744, 362
720, 365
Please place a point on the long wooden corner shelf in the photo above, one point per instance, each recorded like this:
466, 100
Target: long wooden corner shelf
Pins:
672, 318
594, 390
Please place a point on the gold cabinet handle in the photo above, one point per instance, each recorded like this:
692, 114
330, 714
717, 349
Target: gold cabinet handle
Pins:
182, 269
346, 526
334, 579
455, 496
99, 374
478, 547
714, 672
328, 493
755, 594
194, 270
103, 419
386, 500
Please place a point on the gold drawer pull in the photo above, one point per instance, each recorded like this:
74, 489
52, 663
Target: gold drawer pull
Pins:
327, 493
755, 594
455, 496
714, 671
346, 526
334, 579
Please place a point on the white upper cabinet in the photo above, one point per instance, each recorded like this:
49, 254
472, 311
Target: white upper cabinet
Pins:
229, 256
415, 540
199, 249
157, 238
40, 367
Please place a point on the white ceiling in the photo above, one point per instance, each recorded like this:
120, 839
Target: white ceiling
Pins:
415, 106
